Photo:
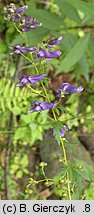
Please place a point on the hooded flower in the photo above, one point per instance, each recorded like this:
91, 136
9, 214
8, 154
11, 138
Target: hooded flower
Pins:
22, 49
29, 23
21, 9
14, 14
47, 54
30, 79
63, 131
67, 88
41, 106
52, 43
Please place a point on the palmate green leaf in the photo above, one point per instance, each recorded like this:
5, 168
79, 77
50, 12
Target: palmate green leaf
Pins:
63, 109
77, 183
74, 55
22, 133
83, 6
79, 171
36, 132
61, 175
57, 126
84, 170
69, 10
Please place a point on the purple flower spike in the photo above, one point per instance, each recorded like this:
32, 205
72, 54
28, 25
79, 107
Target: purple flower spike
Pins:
52, 43
41, 106
48, 54
21, 9
63, 131
29, 23
30, 79
22, 49
67, 88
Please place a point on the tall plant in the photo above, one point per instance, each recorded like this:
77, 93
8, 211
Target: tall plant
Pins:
73, 173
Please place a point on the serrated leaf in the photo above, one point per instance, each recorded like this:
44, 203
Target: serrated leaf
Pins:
74, 55
26, 118
57, 126
22, 133
63, 109
85, 170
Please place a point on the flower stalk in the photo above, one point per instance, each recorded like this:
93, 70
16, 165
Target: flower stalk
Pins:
28, 23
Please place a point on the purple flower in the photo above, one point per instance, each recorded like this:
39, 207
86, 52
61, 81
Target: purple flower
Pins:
67, 88
23, 81
34, 79
14, 14
41, 106
52, 43
47, 54
30, 79
22, 49
29, 23
63, 131
9, 9
21, 9
15, 18
28, 20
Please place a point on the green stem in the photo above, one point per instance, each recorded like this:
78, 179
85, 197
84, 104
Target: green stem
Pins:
54, 115
42, 180
18, 30
26, 57
69, 192
34, 91
66, 164
64, 152
44, 173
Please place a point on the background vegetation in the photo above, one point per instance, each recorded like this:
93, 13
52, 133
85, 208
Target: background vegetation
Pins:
24, 138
